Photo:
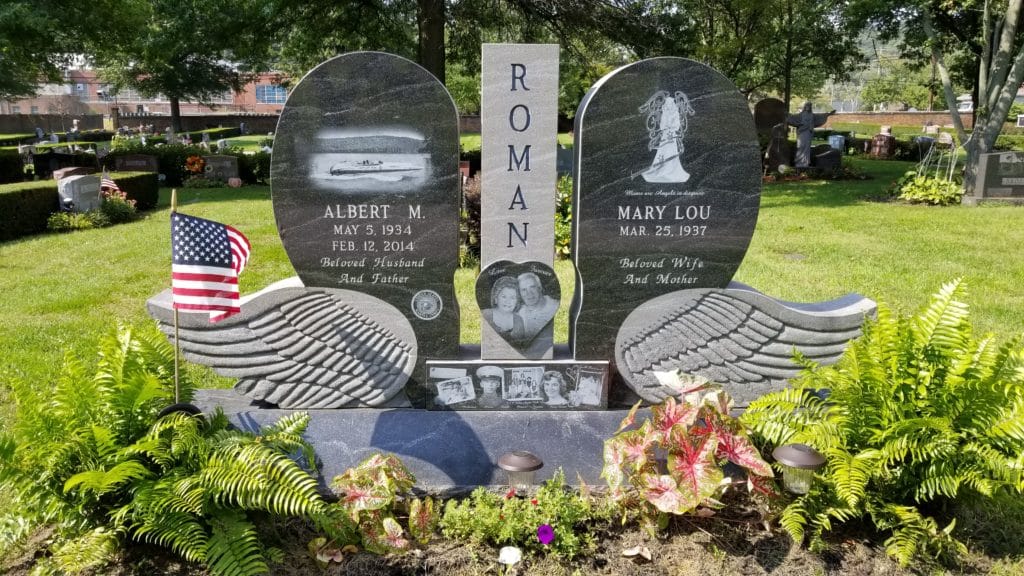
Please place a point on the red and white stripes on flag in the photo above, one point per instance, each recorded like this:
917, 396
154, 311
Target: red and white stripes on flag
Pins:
206, 259
107, 182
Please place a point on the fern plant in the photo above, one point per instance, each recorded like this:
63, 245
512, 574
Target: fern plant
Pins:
94, 459
918, 412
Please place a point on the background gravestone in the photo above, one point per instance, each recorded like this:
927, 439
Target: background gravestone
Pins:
366, 190
83, 191
1000, 177
136, 163
62, 173
220, 167
767, 114
666, 196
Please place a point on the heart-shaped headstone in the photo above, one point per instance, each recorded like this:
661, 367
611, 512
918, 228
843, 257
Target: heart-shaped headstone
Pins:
519, 301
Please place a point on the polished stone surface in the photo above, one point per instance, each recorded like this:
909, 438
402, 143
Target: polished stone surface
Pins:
365, 178
136, 163
769, 113
1000, 177
668, 183
221, 167
518, 121
736, 337
445, 450
302, 348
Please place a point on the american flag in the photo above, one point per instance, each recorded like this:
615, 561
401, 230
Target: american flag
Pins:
206, 259
107, 182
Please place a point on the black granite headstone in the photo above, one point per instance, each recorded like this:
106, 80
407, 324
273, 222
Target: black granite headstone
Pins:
668, 185
825, 157
221, 167
365, 178
768, 113
1000, 176
136, 163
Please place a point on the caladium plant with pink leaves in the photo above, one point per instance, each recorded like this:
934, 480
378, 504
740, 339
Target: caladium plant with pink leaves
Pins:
672, 463
372, 495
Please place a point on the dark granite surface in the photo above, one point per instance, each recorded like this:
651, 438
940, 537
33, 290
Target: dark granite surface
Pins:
1001, 176
221, 167
668, 182
444, 450
137, 163
767, 114
365, 178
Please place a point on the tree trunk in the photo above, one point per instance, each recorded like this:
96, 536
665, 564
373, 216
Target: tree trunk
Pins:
787, 64
430, 16
175, 114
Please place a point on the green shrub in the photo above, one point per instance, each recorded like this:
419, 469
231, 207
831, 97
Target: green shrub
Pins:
563, 217
95, 136
71, 221
204, 182
1009, 142
92, 457
469, 225
919, 413
117, 208
12, 167
919, 188
141, 187
170, 157
25, 207
15, 139
490, 518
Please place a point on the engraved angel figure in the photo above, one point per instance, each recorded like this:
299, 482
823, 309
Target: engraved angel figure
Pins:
666, 124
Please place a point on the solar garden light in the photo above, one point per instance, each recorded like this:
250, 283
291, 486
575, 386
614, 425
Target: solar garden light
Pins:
521, 467
799, 463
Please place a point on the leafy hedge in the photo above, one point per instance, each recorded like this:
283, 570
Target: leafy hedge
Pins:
252, 168
93, 136
25, 207
15, 139
12, 168
143, 187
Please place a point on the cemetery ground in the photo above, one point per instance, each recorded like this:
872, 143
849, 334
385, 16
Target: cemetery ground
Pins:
814, 241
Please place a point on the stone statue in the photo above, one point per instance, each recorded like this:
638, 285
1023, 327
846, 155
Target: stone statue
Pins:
805, 122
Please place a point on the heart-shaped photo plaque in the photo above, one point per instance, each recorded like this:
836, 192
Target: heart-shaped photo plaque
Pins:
519, 301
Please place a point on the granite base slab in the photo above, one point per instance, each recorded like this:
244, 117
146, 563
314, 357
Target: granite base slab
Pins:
446, 451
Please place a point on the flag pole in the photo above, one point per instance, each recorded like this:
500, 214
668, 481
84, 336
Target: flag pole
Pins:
177, 393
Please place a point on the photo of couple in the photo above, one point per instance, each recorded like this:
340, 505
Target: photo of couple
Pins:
519, 308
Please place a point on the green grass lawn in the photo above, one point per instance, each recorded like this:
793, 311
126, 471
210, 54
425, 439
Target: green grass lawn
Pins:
814, 241
471, 141
249, 143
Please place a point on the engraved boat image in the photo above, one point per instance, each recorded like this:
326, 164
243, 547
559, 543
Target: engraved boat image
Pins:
351, 167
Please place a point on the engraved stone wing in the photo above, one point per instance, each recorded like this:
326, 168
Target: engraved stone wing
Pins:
736, 337
299, 348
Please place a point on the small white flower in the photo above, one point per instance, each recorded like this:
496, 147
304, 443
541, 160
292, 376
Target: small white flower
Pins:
510, 555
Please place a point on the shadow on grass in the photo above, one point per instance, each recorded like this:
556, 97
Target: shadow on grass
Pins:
992, 525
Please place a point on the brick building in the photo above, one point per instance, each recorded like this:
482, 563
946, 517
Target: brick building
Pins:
84, 93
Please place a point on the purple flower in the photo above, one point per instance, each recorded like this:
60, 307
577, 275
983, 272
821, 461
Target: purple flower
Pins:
545, 534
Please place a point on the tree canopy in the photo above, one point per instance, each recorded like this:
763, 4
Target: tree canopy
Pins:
189, 50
